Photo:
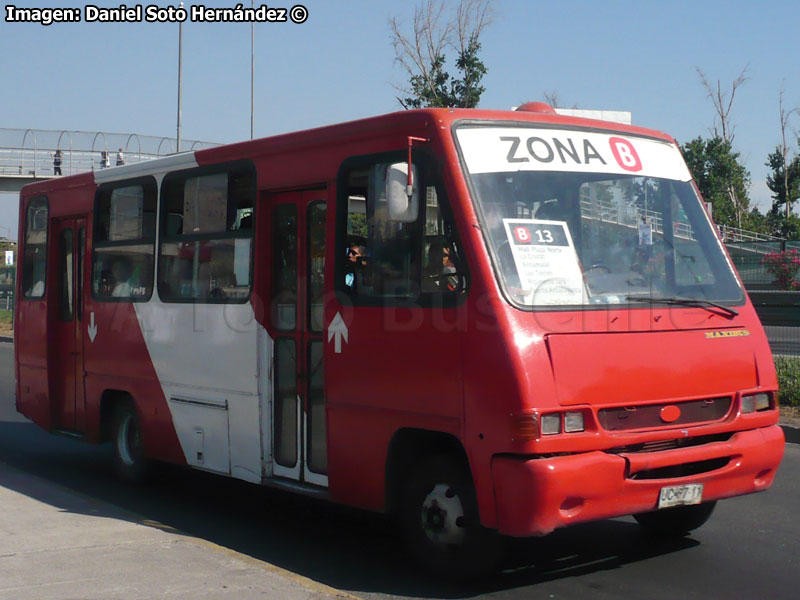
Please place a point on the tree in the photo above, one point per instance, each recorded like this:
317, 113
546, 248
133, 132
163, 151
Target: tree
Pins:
423, 54
785, 178
723, 103
554, 99
722, 180
784, 182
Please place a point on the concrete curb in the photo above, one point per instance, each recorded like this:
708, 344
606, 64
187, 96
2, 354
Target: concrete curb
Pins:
792, 434
7, 339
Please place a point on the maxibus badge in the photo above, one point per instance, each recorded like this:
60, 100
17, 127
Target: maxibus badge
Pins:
713, 335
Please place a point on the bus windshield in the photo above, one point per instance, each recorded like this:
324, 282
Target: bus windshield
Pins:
575, 218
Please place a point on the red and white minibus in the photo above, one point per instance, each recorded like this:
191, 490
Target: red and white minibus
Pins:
485, 321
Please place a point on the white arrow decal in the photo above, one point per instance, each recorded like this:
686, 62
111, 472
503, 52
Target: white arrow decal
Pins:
337, 330
92, 328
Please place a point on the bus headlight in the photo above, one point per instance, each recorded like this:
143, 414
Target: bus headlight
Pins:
551, 424
755, 403
529, 426
573, 422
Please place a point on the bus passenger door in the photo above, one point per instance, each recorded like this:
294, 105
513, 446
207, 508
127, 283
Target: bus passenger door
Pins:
299, 431
66, 354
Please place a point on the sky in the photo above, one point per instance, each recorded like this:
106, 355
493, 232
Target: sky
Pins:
339, 65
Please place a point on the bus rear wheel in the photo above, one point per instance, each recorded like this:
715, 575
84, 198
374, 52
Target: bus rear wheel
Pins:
441, 523
129, 460
676, 521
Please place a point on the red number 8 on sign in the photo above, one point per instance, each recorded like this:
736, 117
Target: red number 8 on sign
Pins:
522, 234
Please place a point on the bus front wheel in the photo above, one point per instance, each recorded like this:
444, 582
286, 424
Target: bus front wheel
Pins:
676, 521
441, 523
129, 460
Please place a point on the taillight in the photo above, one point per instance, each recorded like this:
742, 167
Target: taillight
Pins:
524, 427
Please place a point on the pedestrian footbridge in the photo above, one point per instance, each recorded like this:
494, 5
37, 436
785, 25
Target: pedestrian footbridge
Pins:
28, 155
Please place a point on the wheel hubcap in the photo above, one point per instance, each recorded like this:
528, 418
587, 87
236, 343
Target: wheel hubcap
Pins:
443, 516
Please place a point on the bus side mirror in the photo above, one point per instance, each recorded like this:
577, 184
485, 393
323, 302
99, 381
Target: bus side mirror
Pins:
403, 207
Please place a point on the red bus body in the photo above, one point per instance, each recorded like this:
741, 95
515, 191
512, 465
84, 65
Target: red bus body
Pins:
473, 377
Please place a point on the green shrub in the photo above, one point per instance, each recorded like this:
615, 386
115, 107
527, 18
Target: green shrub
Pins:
784, 266
788, 368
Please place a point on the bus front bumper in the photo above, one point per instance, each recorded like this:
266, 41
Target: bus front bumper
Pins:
536, 496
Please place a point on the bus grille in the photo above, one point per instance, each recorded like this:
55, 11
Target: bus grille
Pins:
661, 445
648, 416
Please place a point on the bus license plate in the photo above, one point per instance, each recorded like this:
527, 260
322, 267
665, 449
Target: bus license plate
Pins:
679, 495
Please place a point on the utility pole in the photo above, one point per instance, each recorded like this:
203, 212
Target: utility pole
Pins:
252, 70
180, 81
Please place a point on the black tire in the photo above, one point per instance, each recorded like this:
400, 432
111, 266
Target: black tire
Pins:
129, 460
676, 521
441, 523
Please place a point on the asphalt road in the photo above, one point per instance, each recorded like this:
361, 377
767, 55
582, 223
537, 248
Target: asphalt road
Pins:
749, 549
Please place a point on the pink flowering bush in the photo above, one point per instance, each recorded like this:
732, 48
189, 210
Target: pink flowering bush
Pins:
784, 267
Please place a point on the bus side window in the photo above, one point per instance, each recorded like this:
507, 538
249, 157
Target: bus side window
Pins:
34, 258
207, 232
124, 239
387, 255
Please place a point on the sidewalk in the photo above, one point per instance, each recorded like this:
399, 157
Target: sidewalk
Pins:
56, 543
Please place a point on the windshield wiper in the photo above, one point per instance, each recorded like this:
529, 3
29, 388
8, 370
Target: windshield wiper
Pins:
730, 312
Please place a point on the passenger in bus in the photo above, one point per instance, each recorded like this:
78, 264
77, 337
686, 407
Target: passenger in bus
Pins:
356, 258
36, 290
440, 270
36, 287
449, 269
122, 271
181, 280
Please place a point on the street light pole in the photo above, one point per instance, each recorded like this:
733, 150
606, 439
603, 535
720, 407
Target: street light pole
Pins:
180, 78
252, 70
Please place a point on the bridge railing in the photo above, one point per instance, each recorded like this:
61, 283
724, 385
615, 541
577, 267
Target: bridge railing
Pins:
733, 235
41, 162
32, 152
628, 215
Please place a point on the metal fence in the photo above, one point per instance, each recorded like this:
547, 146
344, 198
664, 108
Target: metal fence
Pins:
7, 277
731, 235
32, 152
783, 340
7, 300
748, 257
